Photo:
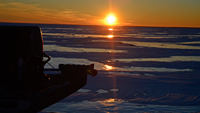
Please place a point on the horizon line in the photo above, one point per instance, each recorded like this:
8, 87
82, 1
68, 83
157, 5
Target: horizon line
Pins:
99, 25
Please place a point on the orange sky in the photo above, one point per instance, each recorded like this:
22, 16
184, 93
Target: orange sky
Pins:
164, 13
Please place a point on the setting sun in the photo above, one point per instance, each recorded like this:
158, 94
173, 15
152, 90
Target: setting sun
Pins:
111, 19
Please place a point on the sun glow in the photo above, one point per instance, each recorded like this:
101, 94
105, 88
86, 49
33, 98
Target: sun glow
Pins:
111, 19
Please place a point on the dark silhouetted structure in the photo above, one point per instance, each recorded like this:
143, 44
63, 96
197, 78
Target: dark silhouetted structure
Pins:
24, 88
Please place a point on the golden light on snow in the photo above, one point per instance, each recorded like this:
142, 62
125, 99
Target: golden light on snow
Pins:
110, 100
110, 36
110, 29
108, 67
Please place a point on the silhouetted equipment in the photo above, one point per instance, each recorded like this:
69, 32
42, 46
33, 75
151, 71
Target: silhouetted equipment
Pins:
24, 88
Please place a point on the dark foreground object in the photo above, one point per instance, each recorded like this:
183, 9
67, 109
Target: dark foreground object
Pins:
24, 88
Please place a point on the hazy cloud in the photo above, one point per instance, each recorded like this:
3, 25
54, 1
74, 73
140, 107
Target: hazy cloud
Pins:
34, 13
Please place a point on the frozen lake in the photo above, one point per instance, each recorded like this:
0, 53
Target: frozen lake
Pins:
140, 69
